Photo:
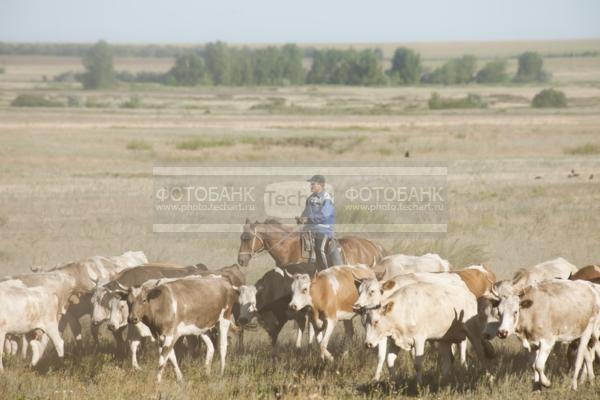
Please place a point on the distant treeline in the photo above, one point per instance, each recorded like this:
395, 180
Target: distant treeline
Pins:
223, 65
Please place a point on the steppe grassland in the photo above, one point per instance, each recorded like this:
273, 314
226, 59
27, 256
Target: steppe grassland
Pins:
77, 181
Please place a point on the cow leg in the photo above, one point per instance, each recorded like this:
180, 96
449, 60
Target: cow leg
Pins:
325, 354
589, 365
300, 326
391, 360
540, 361
419, 354
173, 359
24, 346
38, 346
14, 347
381, 353
2, 339
463, 353
210, 352
445, 358
134, 338
94, 329
54, 335
311, 332
241, 339
582, 352
164, 355
349, 329
223, 328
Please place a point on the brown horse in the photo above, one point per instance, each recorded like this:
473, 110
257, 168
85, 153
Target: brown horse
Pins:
283, 244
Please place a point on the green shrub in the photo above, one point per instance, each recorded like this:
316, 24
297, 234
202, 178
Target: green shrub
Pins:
406, 67
586, 149
200, 143
93, 103
549, 98
471, 101
2, 70
138, 144
492, 72
34, 100
531, 68
189, 70
133, 102
75, 101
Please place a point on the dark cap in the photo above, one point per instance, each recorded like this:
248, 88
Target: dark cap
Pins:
317, 178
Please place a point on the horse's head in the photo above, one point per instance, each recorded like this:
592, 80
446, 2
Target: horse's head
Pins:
250, 243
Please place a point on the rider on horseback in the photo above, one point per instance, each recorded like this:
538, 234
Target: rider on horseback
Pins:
318, 217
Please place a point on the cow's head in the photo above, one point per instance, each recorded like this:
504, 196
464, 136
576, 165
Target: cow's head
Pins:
509, 309
369, 295
247, 300
301, 292
138, 300
119, 310
100, 311
378, 324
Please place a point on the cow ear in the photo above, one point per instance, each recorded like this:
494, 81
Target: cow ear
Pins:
387, 308
526, 303
153, 294
388, 285
357, 282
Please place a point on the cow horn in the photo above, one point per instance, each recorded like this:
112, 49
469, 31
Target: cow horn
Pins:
287, 273
122, 287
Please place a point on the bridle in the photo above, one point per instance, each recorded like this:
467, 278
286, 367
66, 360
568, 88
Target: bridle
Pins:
263, 247
253, 252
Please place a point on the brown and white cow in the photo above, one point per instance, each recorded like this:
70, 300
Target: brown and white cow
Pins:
186, 306
27, 309
372, 293
330, 294
396, 264
558, 268
553, 311
423, 311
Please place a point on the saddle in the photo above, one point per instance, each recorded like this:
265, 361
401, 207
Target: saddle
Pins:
307, 246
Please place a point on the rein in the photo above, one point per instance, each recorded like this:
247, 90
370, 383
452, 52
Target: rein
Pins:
263, 247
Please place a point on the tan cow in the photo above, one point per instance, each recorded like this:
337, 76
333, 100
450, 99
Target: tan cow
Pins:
373, 293
396, 264
558, 268
187, 306
553, 311
330, 294
420, 312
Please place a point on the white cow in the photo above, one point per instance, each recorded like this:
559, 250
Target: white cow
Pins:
423, 311
396, 264
553, 311
29, 309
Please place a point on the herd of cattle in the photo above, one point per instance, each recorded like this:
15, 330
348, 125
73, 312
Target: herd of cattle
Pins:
403, 303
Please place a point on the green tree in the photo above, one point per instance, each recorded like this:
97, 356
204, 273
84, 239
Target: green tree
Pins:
454, 71
98, 63
492, 72
218, 62
531, 68
406, 67
188, 70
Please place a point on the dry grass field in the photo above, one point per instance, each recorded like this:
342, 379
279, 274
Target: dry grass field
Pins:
77, 181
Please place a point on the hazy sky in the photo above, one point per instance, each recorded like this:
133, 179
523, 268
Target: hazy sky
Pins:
194, 21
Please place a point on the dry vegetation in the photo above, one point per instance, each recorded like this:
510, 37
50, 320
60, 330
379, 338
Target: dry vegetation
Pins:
76, 181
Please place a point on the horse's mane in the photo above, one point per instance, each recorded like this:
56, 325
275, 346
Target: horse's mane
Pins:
276, 222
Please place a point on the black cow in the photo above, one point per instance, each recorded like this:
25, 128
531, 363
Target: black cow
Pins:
269, 300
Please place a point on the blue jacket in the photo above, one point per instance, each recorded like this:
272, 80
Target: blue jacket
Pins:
319, 212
